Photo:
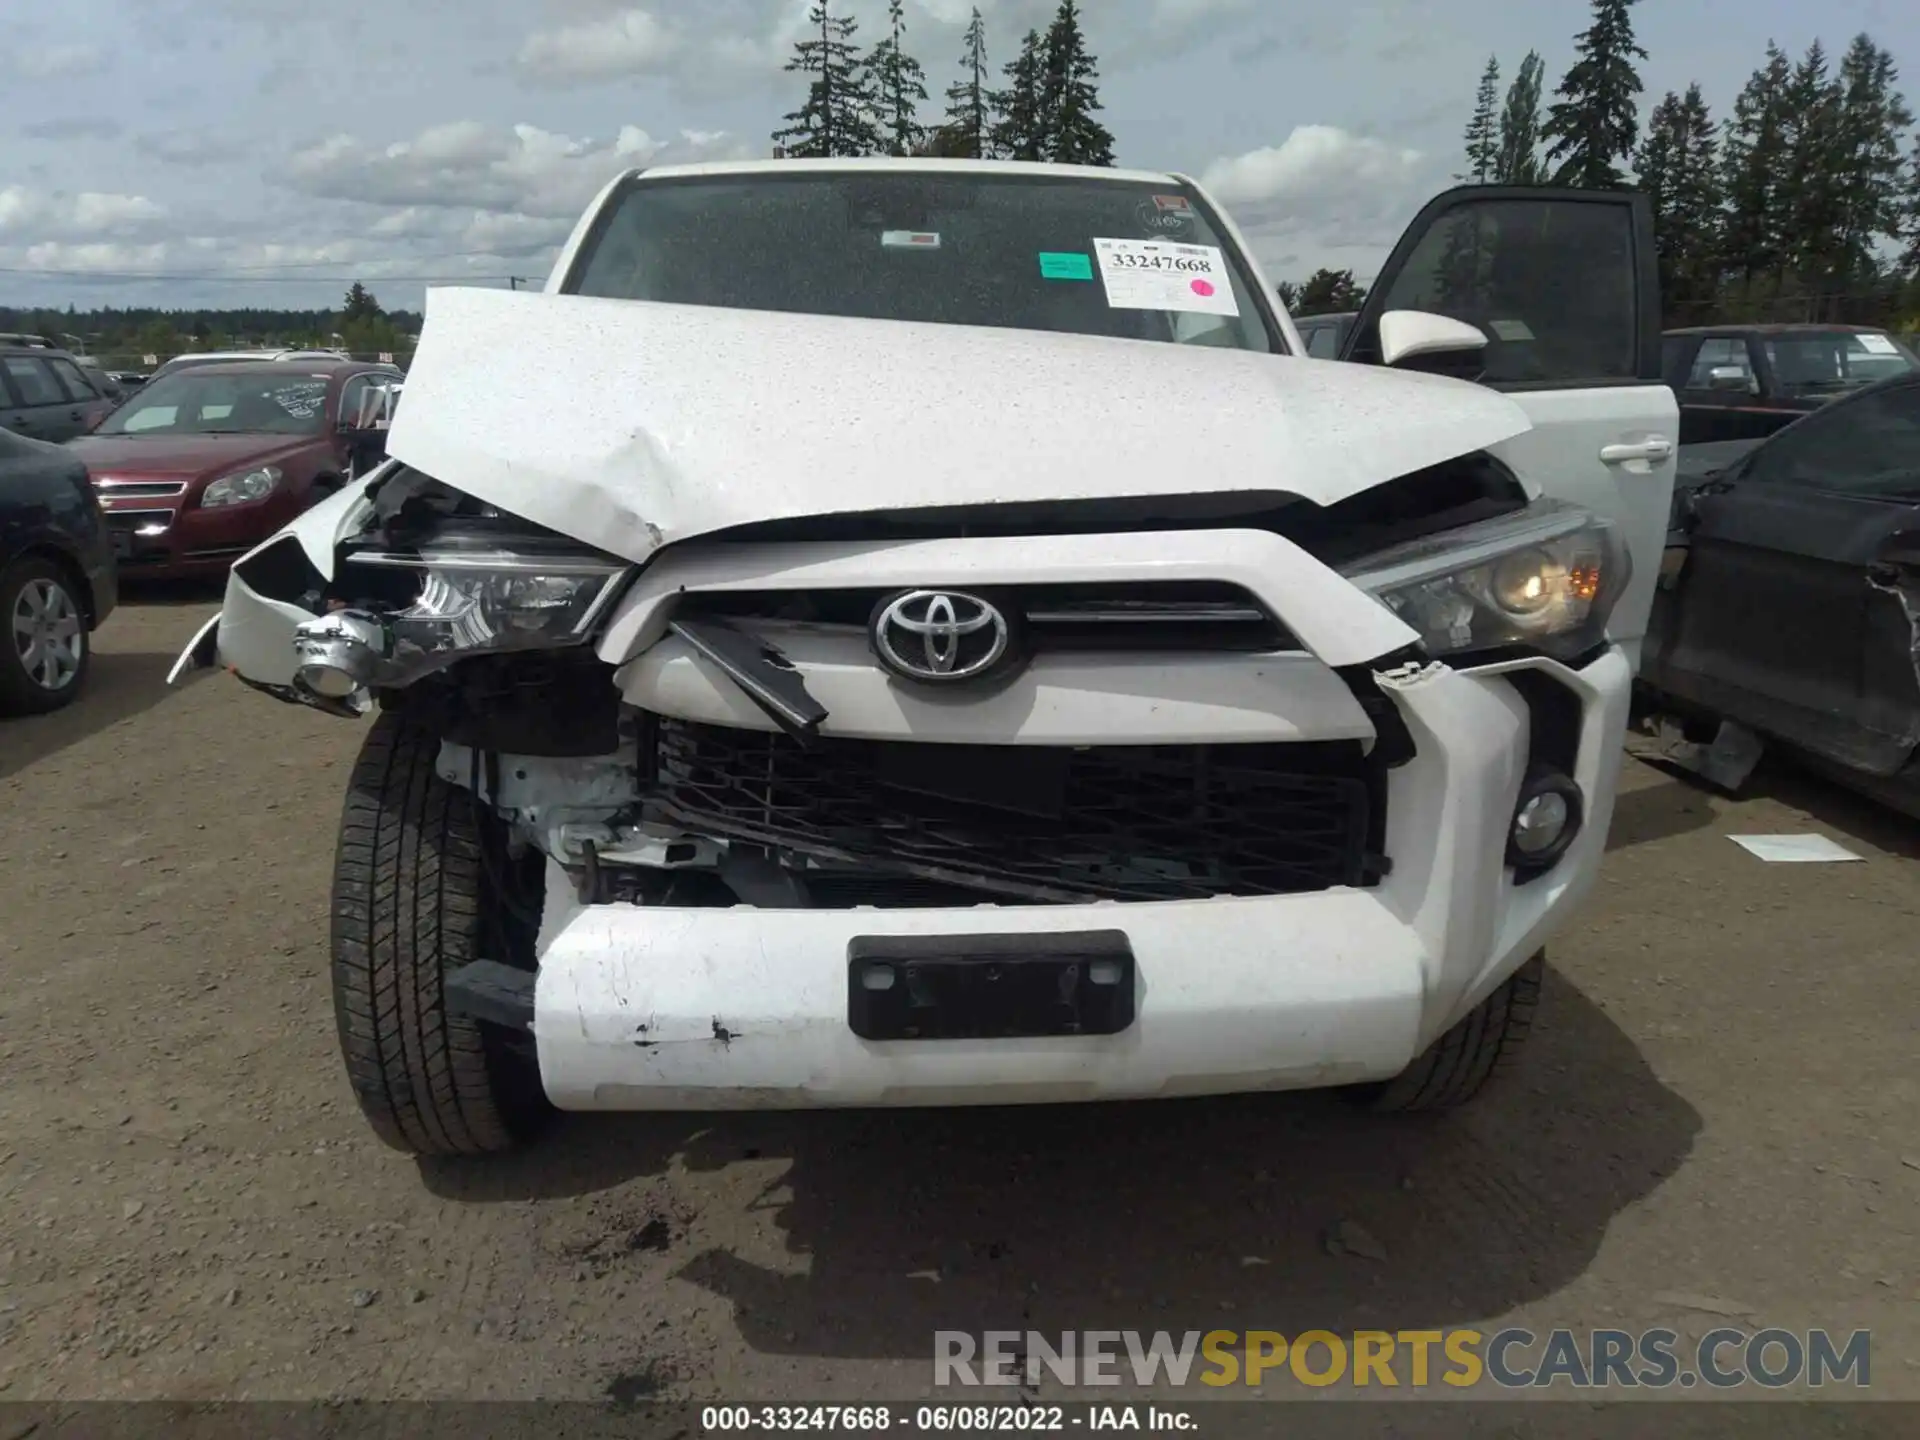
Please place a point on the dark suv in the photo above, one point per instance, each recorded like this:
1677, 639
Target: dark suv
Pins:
45, 393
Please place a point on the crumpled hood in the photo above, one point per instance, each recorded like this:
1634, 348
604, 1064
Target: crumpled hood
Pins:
632, 424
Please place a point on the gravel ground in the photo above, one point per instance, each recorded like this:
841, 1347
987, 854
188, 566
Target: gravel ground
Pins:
1716, 1125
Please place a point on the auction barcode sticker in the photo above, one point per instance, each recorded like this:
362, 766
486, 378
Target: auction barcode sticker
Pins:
1163, 275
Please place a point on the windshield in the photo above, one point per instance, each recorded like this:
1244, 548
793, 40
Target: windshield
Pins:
1128, 259
196, 402
1830, 362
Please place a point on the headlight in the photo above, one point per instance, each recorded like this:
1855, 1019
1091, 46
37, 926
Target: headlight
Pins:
465, 603
239, 489
1545, 577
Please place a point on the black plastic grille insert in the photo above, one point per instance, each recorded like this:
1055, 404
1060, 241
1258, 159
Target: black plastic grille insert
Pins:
1037, 823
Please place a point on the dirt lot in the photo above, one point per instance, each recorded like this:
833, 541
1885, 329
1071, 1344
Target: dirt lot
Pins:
1717, 1126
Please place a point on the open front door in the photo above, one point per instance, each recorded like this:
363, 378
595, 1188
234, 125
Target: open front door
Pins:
1565, 286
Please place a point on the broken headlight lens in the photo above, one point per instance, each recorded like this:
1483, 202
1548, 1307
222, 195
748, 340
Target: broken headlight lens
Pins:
463, 602
501, 600
1545, 577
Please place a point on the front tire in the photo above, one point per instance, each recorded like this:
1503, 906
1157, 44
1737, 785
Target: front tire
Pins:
1483, 1045
45, 650
421, 886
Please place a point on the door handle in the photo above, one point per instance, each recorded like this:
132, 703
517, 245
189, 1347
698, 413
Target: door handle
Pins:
1654, 448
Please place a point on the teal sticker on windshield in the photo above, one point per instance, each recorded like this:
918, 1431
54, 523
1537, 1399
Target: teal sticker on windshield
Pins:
1065, 265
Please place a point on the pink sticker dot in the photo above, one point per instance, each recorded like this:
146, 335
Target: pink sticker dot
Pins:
1203, 287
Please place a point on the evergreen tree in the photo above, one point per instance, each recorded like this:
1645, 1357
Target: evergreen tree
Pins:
968, 132
1808, 198
1867, 160
1678, 167
1019, 127
1910, 228
898, 85
1596, 121
838, 116
361, 305
1070, 95
1483, 130
1289, 294
1519, 160
1328, 292
1753, 158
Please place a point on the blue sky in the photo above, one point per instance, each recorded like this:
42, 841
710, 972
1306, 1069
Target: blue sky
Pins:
267, 151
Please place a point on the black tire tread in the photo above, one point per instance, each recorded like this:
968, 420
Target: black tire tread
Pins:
407, 888
1483, 1046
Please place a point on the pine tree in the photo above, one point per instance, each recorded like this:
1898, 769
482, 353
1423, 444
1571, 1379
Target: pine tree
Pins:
898, 85
1483, 130
1678, 167
1869, 171
1910, 227
360, 304
1596, 121
1328, 292
1808, 197
838, 116
1019, 128
968, 132
1519, 158
1753, 157
1070, 95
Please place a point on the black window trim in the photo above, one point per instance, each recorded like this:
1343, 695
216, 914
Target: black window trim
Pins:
1242, 262
1647, 330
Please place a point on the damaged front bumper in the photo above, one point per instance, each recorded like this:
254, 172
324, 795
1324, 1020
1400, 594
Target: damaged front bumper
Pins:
644, 1007
1373, 898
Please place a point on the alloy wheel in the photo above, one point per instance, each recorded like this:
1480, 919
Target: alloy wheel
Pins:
48, 634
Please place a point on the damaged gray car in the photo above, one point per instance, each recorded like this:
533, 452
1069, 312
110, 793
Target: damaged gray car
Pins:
1786, 615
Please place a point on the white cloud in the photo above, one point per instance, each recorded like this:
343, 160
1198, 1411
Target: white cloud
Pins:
28, 216
1326, 191
55, 62
631, 42
470, 166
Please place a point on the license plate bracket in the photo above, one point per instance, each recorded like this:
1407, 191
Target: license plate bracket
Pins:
990, 987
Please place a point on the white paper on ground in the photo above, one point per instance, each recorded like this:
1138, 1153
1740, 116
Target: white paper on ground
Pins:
1165, 275
1793, 849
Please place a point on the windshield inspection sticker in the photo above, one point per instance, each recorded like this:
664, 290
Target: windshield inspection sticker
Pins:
910, 239
1165, 275
1877, 345
1065, 265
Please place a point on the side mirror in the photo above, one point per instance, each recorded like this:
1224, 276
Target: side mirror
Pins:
1407, 333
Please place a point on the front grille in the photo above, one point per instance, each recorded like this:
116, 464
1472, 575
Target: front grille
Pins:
1034, 823
138, 489
137, 520
1148, 616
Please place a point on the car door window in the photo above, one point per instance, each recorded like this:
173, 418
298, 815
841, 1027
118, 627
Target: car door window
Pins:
33, 382
1720, 356
1323, 342
352, 396
1549, 281
1869, 446
78, 387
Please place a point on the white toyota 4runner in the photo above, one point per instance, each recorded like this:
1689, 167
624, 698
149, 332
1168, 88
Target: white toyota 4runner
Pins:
920, 632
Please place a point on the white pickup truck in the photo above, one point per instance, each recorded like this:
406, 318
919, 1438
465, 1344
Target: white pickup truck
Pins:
908, 632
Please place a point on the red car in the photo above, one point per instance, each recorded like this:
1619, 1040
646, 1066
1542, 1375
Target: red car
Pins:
200, 466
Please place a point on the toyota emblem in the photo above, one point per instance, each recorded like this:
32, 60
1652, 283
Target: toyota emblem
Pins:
938, 636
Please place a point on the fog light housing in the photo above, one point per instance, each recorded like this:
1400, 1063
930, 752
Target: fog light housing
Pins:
1545, 823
